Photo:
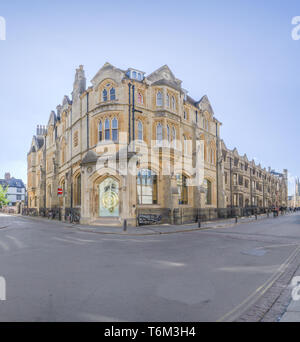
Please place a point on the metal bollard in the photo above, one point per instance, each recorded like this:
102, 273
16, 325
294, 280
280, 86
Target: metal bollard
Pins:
125, 225
255, 216
236, 219
199, 223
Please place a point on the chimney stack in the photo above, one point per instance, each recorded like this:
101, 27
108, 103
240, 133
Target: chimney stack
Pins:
7, 176
41, 130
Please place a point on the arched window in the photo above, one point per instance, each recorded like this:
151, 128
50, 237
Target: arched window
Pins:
159, 99
139, 76
182, 189
159, 134
107, 130
173, 103
196, 116
184, 115
140, 131
100, 131
168, 100
168, 134
114, 130
140, 98
104, 95
134, 74
207, 188
112, 94
147, 187
78, 190
174, 137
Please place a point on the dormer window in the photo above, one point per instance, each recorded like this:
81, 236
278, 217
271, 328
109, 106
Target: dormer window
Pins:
136, 75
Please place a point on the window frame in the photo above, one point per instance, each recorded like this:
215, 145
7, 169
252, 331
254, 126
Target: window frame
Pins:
142, 184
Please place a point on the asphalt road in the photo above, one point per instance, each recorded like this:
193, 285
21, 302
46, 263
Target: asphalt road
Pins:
57, 273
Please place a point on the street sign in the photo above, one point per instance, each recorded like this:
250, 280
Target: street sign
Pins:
59, 191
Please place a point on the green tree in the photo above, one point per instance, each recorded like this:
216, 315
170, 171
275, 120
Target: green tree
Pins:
3, 199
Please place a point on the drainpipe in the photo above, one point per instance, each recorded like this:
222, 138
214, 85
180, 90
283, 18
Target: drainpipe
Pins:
45, 166
129, 114
71, 144
217, 164
230, 182
251, 194
87, 123
133, 116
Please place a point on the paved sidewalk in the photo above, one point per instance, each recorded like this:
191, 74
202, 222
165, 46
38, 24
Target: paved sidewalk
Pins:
156, 229
292, 313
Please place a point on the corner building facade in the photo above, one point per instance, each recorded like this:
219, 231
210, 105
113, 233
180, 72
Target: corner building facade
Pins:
84, 151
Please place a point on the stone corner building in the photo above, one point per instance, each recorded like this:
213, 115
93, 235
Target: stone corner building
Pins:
95, 124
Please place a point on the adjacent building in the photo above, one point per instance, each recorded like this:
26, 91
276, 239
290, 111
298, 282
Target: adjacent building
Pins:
149, 125
250, 185
294, 200
16, 190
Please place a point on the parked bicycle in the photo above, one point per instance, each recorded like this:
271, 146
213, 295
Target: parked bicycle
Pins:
74, 217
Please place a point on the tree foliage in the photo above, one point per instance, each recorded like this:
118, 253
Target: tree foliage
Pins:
3, 199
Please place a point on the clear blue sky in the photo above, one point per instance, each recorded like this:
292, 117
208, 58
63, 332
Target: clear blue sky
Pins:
239, 53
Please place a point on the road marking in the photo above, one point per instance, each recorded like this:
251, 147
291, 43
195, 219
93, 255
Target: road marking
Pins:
81, 240
260, 290
16, 241
67, 240
274, 246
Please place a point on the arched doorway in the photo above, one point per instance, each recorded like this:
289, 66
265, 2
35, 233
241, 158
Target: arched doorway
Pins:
109, 198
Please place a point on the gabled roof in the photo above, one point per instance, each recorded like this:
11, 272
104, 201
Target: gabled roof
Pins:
12, 183
164, 73
106, 67
66, 101
36, 143
205, 105
52, 119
